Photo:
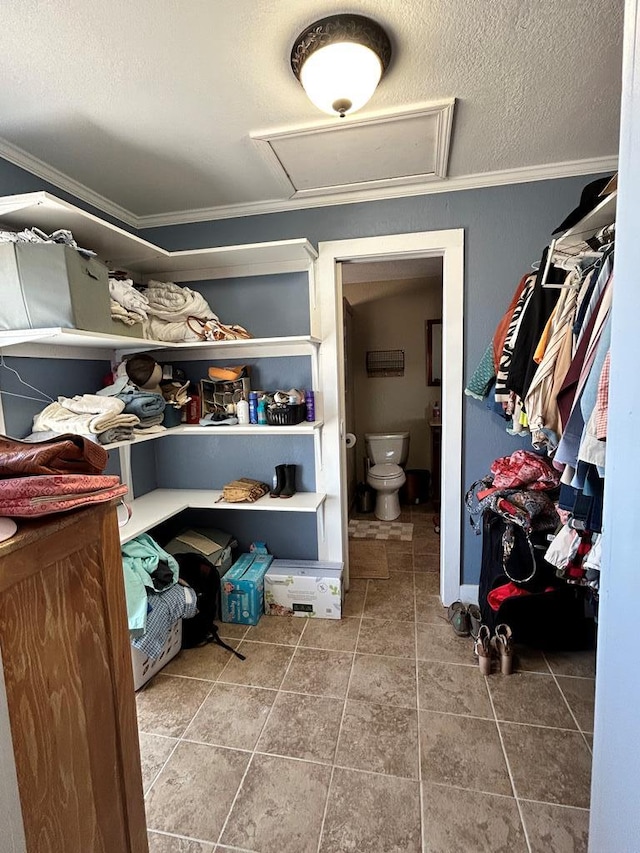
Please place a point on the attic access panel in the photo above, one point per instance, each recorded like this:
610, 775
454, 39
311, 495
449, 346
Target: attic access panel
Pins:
391, 150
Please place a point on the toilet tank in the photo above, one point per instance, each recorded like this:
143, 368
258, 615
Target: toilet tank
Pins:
388, 447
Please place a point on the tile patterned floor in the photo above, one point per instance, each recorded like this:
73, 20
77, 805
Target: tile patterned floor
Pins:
375, 734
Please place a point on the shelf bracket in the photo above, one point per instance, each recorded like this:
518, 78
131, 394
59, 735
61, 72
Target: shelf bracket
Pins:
321, 523
124, 455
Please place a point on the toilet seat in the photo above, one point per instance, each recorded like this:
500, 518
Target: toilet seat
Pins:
385, 471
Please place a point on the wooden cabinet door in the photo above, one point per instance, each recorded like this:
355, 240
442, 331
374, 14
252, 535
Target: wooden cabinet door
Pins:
67, 670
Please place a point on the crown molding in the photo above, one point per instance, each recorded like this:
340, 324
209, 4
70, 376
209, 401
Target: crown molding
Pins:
527, 174
59, 179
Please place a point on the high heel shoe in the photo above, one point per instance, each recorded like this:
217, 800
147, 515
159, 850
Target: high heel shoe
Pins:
504, 647
482, 648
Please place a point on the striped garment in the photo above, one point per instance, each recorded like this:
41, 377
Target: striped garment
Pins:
502, 391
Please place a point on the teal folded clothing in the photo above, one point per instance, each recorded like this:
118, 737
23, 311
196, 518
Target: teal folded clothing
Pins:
144, 404
146, 566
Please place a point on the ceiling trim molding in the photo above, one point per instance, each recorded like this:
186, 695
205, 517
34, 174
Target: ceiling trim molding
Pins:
61, 180
528, 174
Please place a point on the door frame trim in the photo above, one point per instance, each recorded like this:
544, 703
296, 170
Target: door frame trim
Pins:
449, 245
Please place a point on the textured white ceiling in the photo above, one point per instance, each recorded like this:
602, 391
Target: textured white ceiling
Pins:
151, 103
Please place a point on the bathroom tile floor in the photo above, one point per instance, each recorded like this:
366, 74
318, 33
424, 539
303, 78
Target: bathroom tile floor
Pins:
375, 734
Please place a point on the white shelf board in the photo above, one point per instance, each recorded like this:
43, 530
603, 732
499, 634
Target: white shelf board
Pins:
305, 428
77, 338
253, 347
573, 240
162, 504
123, 250
38, 342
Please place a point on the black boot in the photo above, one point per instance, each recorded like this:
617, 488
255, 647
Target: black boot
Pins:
289, 489
280, 481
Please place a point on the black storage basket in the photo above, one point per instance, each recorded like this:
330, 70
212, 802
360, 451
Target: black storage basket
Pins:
286, 415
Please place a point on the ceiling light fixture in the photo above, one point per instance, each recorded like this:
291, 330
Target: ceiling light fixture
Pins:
340, 60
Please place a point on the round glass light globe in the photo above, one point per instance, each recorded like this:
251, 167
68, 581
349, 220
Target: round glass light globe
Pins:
343, 73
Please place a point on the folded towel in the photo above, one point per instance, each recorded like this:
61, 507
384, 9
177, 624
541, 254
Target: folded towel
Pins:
150, 430
109, 436
59, 419
92, 404
142, 403
151, 420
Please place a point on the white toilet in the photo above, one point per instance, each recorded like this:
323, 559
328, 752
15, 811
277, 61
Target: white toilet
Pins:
386, 454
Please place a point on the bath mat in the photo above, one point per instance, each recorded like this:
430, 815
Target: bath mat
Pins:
367, 559
364, 529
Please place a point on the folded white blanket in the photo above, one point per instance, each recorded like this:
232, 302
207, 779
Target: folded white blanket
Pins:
125, 294
162, 330
92, 404
171, 302
83, 418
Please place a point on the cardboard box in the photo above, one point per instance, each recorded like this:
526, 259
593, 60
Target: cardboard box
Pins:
242, 589
304, 588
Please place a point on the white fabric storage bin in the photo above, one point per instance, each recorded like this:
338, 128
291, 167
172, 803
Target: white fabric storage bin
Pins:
48, 285
145, 668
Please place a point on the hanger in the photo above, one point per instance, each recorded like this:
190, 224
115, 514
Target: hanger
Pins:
566, 261
47, 398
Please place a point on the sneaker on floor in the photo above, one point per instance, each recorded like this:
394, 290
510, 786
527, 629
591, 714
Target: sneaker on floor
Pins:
458, 616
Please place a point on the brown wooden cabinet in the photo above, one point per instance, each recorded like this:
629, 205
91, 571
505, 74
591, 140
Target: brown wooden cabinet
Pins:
69, 689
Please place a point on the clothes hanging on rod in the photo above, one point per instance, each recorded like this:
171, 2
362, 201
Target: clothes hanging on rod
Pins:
550, 371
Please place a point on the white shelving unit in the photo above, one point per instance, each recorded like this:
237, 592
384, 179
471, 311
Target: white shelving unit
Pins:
123, 250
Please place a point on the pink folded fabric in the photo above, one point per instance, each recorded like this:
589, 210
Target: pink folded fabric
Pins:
28, 497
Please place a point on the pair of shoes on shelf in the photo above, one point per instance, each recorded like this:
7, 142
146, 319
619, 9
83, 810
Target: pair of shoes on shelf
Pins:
465, 619
501, 645
285, 482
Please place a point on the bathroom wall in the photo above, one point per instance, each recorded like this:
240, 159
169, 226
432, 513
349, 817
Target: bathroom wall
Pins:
392, 315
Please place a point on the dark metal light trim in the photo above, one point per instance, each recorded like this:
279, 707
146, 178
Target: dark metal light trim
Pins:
337, 28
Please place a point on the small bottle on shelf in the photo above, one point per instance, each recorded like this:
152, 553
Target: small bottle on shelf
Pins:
253, 407
242, 411
435, 412
310, 403
262, 411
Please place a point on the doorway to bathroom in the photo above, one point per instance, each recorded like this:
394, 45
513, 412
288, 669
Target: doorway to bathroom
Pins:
445, 248
392, 374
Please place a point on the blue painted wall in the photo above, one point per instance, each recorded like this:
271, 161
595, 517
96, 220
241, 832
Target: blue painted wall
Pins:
506, 229
267, 306
54, 377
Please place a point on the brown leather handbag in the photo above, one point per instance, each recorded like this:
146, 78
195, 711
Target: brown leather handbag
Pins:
65, 454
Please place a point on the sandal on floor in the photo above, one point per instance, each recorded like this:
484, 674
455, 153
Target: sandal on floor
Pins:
458, 616
503, 645
482, 648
